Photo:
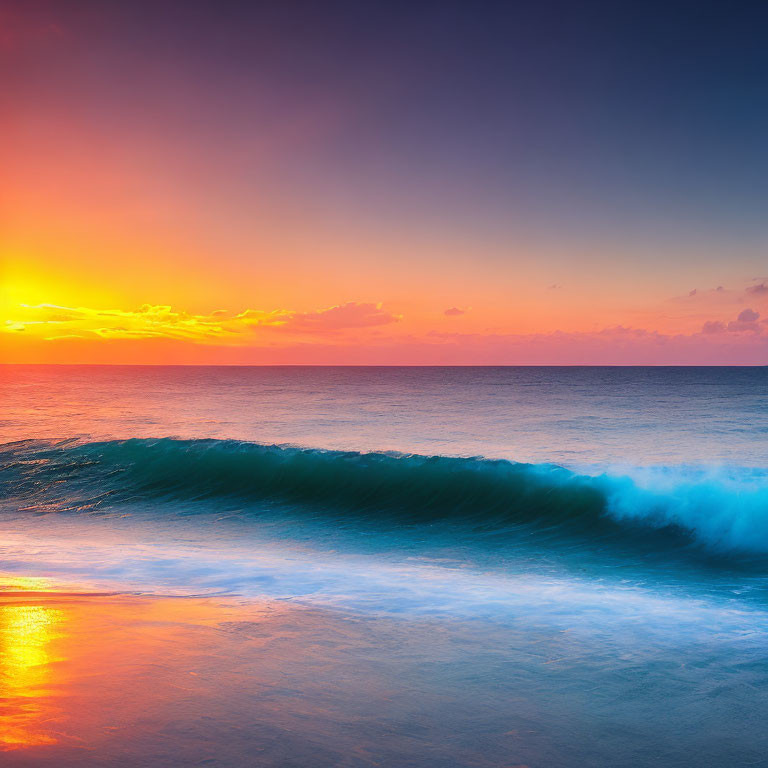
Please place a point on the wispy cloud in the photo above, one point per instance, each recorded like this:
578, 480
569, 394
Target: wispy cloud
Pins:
357, 332
349, 315
150, 321
52, 321
719, 294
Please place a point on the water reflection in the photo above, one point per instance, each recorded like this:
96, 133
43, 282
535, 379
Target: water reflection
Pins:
27, 632
80, 669
91, 679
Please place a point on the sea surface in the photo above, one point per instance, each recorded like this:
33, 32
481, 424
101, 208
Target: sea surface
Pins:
361, 566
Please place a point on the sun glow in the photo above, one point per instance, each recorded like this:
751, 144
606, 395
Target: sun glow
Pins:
52, 322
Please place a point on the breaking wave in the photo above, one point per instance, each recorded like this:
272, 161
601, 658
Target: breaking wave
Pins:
725, 511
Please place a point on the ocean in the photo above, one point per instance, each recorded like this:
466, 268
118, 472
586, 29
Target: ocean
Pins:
359, 566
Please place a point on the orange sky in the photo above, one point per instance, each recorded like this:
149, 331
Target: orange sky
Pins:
174, 207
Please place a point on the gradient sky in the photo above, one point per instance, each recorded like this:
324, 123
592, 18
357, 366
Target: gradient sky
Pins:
384, 182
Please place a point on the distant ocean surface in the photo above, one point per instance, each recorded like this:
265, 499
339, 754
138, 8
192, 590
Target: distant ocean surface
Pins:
577, 417
617, 514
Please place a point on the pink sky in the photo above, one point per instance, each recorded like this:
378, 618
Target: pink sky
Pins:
207, 202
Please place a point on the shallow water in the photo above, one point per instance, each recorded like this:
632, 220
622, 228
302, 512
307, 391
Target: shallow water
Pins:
602, 603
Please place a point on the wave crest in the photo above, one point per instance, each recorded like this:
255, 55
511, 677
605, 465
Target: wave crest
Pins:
726, 511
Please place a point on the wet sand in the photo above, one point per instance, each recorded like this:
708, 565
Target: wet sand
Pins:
118, 680
126, 681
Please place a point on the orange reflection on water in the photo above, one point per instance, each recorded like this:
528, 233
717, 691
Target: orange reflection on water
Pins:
80, 669
27, 673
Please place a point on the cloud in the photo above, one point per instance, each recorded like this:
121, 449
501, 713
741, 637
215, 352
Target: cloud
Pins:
336, 335
748, 316
149, 321
65, 337
159, 334
257, 317
761, 289
699, 296
618, 345
746, 321
454, 312
158, 321
349, 315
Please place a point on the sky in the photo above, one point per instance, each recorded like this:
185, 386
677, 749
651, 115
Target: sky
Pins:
501, 183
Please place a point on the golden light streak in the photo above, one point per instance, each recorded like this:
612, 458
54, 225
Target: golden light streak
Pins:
52, 322
26, 670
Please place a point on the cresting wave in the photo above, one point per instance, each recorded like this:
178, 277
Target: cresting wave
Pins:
726, 512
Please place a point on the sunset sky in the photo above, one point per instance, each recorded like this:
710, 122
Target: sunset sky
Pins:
383, 182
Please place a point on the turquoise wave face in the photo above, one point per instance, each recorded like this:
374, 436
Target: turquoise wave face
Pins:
696, 510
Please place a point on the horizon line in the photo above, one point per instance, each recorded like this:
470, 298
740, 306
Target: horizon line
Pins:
370, 365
